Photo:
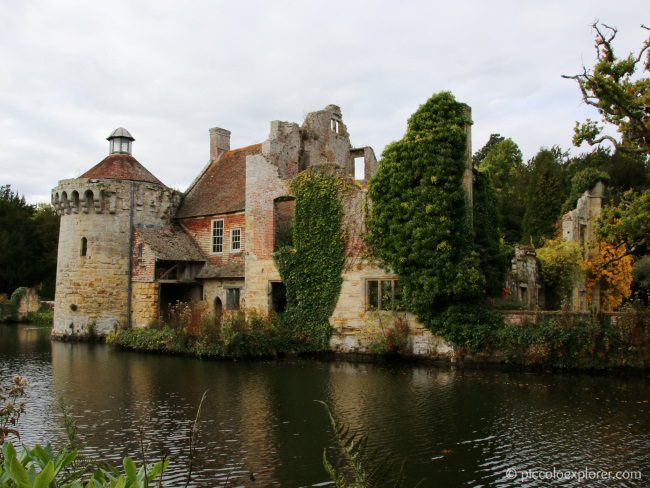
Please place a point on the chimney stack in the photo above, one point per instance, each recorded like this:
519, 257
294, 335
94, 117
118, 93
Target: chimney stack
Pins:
219, 142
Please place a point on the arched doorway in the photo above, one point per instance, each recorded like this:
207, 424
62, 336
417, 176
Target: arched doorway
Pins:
218, 310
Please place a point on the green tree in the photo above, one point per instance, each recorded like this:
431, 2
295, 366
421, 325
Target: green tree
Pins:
582, 181
480, 155
561, 265
545, 195
419, 224
45, 223
627, 223
492, 254
620, 95
28, 244
502, 160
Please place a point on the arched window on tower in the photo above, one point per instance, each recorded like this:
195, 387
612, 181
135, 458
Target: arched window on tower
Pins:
84, 246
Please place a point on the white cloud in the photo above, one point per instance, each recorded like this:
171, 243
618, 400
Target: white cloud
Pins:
72, 71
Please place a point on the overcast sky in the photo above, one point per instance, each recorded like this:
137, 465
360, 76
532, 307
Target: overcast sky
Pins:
72, 71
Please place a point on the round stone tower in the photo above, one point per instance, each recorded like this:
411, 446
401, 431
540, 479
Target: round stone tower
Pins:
99, 211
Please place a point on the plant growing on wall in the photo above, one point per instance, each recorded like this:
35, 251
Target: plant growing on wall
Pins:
419, 224
311, 268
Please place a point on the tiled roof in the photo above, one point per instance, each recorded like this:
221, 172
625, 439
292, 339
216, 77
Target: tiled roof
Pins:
222, 186
121, 166
227, 270
171, 244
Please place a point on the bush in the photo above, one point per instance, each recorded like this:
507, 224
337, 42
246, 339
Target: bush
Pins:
42, 317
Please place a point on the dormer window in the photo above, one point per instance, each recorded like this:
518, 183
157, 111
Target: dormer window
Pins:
120, 141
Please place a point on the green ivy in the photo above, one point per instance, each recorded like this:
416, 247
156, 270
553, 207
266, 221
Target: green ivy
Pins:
419, 224
311, 268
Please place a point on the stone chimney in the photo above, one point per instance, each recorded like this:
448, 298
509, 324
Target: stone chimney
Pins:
219, 142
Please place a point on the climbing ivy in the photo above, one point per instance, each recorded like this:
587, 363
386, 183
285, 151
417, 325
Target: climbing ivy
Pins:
419, 222
311, 268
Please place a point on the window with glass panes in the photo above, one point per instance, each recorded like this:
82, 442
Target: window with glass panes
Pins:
217, 236
383, 295
235, 240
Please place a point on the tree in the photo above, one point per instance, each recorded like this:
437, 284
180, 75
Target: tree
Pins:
621, 98
545, 195
582, 181
419, 223
610, 266
491, 252
561, 265
502, 160
480, 155
28, 244
627, 223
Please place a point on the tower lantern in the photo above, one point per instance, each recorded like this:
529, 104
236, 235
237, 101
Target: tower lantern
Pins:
120, 141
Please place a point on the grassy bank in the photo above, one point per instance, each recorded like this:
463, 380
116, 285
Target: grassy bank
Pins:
562, 341
237, 336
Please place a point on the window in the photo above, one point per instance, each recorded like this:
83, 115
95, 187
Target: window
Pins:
383, 295
232, 298
140, 249
278, 297
217, 236
235, 240
84, 246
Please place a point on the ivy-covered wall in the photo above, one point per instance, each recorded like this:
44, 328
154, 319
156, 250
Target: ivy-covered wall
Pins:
311, 268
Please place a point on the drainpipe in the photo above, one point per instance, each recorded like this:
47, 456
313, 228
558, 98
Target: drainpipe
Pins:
130, 272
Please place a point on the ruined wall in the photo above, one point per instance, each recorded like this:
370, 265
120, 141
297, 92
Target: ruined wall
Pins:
263, 186
93, 289
578, 225
524, 280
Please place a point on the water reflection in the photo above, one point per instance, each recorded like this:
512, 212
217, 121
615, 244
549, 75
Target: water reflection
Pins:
260, 425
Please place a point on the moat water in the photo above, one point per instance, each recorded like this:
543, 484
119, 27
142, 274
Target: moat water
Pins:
260, 425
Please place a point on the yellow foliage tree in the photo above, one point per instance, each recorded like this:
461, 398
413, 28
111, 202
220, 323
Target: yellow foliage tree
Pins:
611, 267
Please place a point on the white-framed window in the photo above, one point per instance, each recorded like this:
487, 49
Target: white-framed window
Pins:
217, 236
235, 239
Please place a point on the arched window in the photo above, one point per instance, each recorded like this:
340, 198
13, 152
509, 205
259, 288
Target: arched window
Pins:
65, 206
84, 246
89, 200
75, 201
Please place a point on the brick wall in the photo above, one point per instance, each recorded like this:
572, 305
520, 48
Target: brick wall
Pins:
200, 228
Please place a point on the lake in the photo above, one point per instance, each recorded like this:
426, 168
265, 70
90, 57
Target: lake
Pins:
260, 424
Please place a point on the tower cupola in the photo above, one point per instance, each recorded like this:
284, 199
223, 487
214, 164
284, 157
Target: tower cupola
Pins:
120, 141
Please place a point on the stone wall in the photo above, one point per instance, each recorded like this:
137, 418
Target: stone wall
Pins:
92, 290
144, 303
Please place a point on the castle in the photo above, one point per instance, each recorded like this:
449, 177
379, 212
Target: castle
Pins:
130, 246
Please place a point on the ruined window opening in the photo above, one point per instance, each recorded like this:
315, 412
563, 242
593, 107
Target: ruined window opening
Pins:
383, 294
232, 298
140, 249
284, 209
84, 246
523, 291
278, 297
235, 240
360, 168
89, 198
217, 236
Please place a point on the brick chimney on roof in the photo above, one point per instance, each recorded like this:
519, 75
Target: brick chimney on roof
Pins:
219, 142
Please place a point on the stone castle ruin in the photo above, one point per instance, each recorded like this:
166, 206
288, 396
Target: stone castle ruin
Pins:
130, 247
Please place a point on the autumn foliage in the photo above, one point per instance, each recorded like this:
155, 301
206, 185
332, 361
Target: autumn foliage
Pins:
611, 267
